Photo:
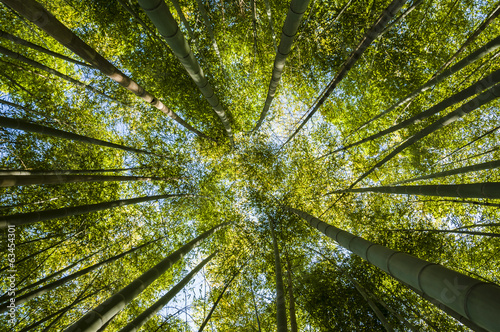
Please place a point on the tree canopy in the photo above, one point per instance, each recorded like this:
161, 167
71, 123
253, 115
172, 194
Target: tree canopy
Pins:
162, 163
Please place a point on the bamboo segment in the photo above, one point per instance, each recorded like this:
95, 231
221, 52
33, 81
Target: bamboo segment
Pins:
290, 27
31, 217
476, 300
469, 190
160, 15
140, 320
37, 14
103, 313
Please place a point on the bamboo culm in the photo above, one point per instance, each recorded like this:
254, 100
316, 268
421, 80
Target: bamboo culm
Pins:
37, 14
473, 299
97, 317
140, 320
32, 217
159, 13
293, 18
368, 38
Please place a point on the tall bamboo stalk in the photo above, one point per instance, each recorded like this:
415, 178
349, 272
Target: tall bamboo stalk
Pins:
31, 217
37, 14
26, 180
280, 289
473, 168
368, 38
140, 320
23, 42
39, 129
100, 315
475, 300
474, 56
159, 13
54, 72
482, 99
469, 190
48, 287
293, 18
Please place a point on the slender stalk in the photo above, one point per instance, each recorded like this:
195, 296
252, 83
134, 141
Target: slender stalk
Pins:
368, 38
469, 190
467, 144
46, 288
23, 42
54, 72
31, 217
37, 14
473, 168
207, 318
472, 299
466, 93
66, 171
293, 18
160, 15
450, 231
472, 37
138, 322
474, 56
39, 129
280, 289
480, 100
26, 180
100, 315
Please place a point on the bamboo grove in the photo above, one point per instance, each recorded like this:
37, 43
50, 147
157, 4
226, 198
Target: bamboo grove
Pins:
250, 165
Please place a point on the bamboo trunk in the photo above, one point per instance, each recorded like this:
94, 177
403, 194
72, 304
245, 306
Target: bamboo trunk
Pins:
23, 42
159, 13
31, 217
368, 38
46, 288
482, 99
473, 299
280, 289
26, 180
474, 56
54, 72
210, 313
469, 190
466, 93
138, 322
39, 129
37, 14
290, 27
473, 168
100, 315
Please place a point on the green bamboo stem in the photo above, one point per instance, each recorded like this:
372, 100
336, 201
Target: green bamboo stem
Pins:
469, 190
46, 288
32, 217
23, 42
473, 299
159, 13
473, 168
100, 315
140, 320
37, 14
54, 72
39, 129
466, 93
26, 180
293, 18
474, 56
280, 289
368, 38
482, 99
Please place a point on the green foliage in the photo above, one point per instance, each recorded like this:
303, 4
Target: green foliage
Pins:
248, 184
